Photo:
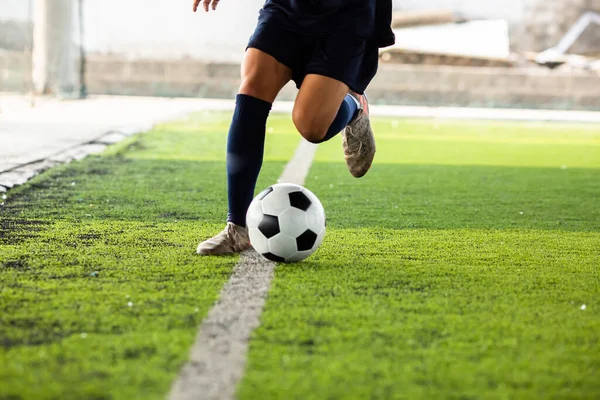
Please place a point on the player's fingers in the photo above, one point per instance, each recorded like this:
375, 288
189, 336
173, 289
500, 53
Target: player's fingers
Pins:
205, 4
214, 4
196, 2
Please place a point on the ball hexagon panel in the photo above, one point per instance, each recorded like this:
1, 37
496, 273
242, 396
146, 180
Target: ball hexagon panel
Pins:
269, 225
319, 240
299, 200
264, 193
298, 256
258, 240
315, 216
282, 245
312, 197
287, 187
275, 202
315, 221
293, 222
254, 214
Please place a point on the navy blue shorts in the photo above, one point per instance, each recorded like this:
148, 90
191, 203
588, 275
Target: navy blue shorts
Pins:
342, 56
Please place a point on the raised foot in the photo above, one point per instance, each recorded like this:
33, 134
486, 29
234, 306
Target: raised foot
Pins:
358, 140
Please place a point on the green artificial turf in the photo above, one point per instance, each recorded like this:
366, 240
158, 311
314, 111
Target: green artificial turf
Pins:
457, 268
101, 292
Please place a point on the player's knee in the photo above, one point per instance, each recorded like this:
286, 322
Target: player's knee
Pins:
313, 136
259, 87
253, 87
309, 128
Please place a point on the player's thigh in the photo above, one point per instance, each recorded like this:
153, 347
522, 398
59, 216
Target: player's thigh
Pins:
263, 76
317, 104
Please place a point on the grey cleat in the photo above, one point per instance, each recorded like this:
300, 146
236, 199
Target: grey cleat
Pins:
358, 140
232, 239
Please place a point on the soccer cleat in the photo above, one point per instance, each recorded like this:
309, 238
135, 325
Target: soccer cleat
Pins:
232, 239
358, 140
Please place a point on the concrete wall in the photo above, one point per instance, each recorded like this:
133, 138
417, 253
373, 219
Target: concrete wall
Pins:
395, 84
157, 47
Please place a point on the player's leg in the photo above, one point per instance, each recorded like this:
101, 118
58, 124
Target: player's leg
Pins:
262, 79
263, 76
332, 99
323, 108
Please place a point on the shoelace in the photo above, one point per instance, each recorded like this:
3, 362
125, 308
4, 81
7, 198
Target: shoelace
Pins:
357, 146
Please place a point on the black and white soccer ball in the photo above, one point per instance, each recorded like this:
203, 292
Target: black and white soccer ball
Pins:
286, 223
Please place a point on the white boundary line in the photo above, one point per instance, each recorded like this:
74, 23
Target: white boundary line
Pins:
218, 356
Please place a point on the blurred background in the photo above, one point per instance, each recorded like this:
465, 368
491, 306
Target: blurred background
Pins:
475, 53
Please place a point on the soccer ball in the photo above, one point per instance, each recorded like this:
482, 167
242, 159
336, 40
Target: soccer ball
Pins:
286, 223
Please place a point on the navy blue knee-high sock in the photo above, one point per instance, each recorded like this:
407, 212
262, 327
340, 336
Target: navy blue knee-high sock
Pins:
245, 148
345, 114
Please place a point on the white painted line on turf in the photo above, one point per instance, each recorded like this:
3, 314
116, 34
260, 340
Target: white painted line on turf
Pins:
490, 114
218, 357
296, 170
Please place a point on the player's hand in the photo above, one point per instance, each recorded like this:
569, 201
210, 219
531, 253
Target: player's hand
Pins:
206, 4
